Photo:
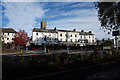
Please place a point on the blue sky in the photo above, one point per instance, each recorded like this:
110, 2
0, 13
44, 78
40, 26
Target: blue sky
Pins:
62, 15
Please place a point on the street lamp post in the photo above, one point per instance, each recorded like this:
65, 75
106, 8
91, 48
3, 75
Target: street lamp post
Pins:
67, 49
116, 39
26, 45
103, 44
67, 36
45, 44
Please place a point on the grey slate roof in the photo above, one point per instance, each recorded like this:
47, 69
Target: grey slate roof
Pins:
55, 31
8, 30
44, 30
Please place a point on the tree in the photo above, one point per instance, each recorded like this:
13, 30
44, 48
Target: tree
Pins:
109, 15
21, 37
108, 43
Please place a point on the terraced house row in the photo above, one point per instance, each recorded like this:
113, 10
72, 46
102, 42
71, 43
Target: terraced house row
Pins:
63, 37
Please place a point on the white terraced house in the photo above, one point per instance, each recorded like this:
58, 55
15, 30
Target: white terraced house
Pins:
7, 34
57, 36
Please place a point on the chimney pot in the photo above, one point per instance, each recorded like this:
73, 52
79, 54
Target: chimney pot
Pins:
74, 30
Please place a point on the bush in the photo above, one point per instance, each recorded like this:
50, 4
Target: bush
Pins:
115, 52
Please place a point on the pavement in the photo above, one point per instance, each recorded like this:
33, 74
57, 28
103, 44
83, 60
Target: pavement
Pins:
18, 52
25, 53
39, 52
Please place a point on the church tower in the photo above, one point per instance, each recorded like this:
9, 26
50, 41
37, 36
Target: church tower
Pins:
43, 24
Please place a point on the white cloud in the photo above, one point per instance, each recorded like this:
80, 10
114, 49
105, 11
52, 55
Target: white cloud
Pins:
59, 0
88, 16
78, 12
82, 5
22, 14
85, 20
20, 0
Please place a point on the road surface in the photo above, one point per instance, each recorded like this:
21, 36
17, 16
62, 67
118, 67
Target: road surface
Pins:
101, 72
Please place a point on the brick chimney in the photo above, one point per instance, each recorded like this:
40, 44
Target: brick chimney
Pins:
90, 31
82, 30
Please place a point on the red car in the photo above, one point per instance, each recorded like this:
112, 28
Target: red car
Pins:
32, 48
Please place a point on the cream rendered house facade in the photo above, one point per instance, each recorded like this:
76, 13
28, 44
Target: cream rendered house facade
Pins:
56, 36
7, 35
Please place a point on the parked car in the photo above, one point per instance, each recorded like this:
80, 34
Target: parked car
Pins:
32, 46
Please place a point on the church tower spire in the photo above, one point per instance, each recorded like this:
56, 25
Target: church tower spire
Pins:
43, 24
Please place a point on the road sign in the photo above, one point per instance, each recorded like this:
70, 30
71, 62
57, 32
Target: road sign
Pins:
26, 40
116, 33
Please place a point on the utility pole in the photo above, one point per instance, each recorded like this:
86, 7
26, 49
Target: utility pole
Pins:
116, 38
44, 43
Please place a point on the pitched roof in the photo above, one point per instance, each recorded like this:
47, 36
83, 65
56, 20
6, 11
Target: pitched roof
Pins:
67, 30
44, 30
86, 33
82, 33
55, 31
8, 30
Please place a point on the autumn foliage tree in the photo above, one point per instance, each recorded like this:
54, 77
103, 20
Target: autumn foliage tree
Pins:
20, 38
